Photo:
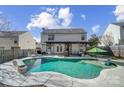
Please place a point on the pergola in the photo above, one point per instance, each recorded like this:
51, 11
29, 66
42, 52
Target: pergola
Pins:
67, 43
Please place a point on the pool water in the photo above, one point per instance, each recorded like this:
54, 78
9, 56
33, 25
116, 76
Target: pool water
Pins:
70, 67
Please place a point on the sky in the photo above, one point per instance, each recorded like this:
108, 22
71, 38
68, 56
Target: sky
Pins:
93, 19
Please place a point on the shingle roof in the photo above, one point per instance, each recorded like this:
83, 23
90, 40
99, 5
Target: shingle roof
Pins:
64, 30
11, 33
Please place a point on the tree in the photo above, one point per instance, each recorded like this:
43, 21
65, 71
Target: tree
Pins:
107, 40
5, 24
94, 40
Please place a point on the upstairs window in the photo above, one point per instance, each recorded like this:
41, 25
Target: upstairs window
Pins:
123, 27
1, 48
15, 42
82, 37
50, 37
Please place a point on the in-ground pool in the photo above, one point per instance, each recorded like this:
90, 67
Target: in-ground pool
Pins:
77, 68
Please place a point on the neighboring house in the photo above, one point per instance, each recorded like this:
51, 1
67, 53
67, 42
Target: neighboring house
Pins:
114, 34
38, 47
56, 41
16, 40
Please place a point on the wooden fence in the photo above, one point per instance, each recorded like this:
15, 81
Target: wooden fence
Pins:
7, 55
118, 50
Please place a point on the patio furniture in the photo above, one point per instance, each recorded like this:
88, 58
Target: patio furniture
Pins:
66, 53
20, 66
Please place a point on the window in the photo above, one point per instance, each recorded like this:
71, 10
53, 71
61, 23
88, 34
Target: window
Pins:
81, 50
122, 26
49, 46
1, 48
57, 48
15, 41
50, 37
81, 45
82, 37
60, 48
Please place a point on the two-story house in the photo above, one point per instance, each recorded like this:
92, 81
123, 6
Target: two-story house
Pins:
16, 40
56, 41
115, 31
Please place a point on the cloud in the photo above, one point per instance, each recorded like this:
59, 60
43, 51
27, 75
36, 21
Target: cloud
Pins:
44, 19
2, 18
50, 9
96, 28
37, 39
1, 21
66, 16
83, 17
119, 13
1, 12
51, 19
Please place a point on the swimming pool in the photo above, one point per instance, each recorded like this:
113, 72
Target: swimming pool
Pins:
77, 68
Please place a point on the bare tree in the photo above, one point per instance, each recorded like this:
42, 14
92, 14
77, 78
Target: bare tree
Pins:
108, 40
5, 24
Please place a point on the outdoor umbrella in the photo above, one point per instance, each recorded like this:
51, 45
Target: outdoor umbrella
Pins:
96, 50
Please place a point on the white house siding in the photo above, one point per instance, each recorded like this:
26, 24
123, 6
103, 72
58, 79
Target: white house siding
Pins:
44, 38
7, 43
26, 41
62, 37
43, 47
114, 31
122, 36
68, 37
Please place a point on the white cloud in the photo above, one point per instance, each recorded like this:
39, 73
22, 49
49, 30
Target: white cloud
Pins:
1, 12
50, 9
96, 28
1, 21
66, 16
50, 19
44, 19
83, 17
119, 13
37, 39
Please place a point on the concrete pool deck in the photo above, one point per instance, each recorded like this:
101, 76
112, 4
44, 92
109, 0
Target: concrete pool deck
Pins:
113, 77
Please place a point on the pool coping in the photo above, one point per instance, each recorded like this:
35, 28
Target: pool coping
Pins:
88, 82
